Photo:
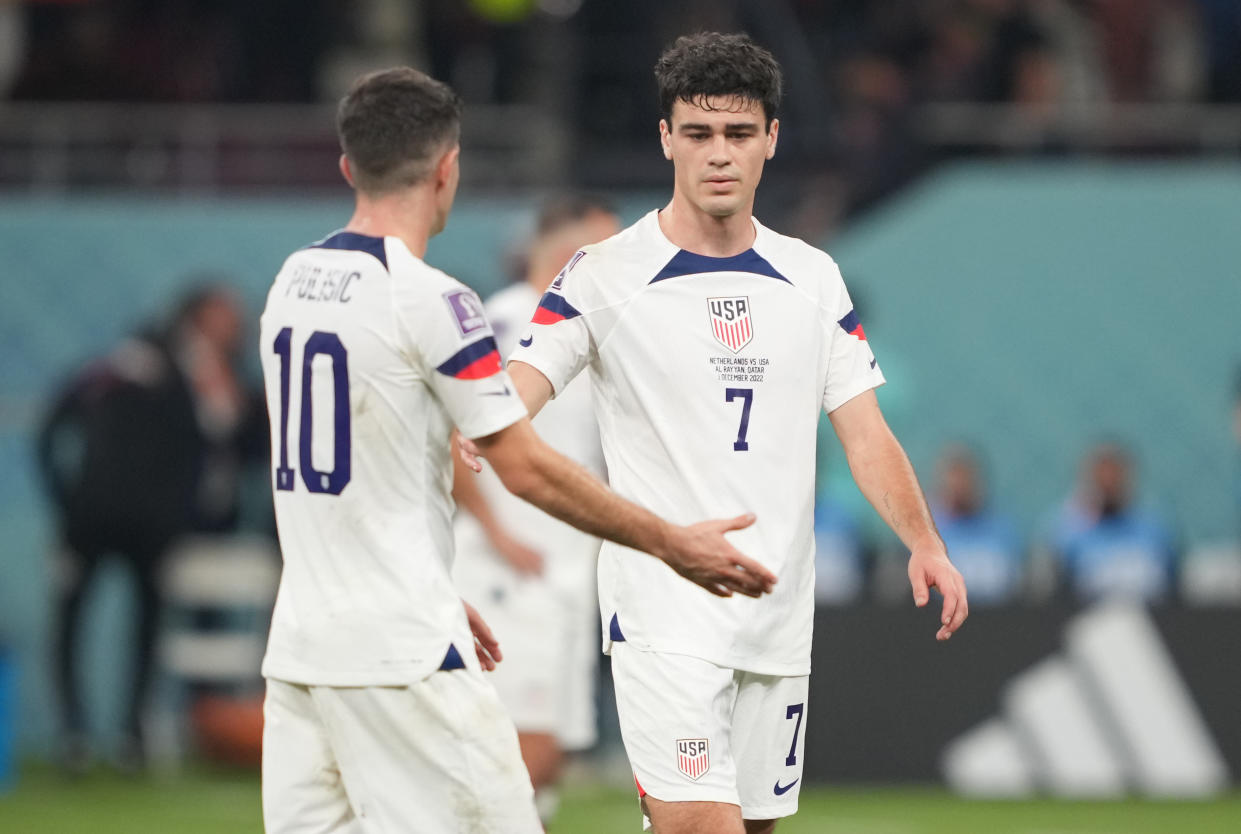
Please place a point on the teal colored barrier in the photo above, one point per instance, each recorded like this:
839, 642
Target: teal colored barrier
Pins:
1033, 309
8, 718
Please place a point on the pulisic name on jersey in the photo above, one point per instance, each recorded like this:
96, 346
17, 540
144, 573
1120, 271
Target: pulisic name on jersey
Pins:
314, 283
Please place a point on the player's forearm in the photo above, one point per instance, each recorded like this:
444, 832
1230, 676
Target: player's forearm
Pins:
569, 492
565, 490
885, 476
470, 498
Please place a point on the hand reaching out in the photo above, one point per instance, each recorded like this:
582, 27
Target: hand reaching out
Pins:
702, 555
485, 644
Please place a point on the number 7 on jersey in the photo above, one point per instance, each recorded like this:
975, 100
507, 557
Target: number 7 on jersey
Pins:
746, 395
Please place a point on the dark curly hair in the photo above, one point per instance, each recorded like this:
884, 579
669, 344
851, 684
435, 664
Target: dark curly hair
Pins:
391, 124
698, 67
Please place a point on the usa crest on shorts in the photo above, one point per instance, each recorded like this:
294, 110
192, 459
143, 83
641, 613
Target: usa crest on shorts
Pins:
693, 757
730, 321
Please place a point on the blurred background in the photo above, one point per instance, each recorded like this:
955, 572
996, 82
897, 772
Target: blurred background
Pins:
1036, 205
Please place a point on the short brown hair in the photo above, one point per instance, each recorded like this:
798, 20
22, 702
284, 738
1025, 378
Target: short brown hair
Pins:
709, 64
390, 125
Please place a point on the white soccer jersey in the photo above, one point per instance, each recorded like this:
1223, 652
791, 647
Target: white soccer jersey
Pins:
568, 425
370, 357
708, 378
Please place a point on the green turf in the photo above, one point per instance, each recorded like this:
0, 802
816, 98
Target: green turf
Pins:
215, 802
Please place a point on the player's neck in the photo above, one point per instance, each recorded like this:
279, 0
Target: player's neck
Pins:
693, 230
408, 216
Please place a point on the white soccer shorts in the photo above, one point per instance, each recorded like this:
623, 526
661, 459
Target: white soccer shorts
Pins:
550, 641
437, 757
697, 732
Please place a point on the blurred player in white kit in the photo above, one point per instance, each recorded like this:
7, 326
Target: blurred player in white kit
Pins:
530, 576
377, 716
713, 343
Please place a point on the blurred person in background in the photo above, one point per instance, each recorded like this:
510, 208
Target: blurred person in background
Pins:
839, 559
983, 542
141, 447
1105, 544
530, 576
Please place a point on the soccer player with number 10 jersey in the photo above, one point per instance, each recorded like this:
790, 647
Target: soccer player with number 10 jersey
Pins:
377, 715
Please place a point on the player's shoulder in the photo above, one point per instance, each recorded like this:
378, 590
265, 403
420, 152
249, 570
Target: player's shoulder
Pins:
802, 263
618, 266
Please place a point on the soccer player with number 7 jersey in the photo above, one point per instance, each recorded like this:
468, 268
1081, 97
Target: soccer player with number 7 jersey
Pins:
713, 343
377, 715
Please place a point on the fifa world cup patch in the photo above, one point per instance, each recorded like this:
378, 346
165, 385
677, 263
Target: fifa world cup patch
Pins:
467, 310
730, 321
693, 757
559, 280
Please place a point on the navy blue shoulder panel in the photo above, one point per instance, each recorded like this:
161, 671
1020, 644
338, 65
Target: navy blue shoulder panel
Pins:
687, 263
359, 243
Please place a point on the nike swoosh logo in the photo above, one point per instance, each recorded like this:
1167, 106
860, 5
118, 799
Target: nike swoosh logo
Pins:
503, 392
526, 342
874, 362
781, 790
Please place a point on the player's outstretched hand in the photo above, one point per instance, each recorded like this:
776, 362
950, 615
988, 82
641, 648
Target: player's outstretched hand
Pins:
930, 568
468, 452
486, 646
702, 555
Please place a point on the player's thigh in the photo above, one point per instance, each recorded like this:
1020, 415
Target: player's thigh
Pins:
769, 731
675, 714
438, 756
302, 788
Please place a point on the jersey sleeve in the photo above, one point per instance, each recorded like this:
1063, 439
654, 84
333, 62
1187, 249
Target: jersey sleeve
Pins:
558, 341
451, 340
851, 366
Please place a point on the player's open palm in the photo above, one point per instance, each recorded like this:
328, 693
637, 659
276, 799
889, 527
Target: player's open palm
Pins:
702, 555
931, 569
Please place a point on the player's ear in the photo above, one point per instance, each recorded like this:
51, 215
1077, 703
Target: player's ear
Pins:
773, 133
345, 170
665, 138
444, 168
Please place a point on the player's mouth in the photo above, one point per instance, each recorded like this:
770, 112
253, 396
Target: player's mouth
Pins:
721, 182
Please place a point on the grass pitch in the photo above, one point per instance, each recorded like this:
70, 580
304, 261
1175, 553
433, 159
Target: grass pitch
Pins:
224, 802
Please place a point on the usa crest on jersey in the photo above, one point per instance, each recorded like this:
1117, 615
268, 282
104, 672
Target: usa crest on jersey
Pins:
730, 321
693, 757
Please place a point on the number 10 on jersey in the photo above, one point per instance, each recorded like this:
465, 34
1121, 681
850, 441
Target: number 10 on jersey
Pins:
328, 344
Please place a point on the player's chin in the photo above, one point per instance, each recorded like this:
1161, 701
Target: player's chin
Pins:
721, 205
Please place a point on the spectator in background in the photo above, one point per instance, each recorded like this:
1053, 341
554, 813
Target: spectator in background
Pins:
542, 602
983, 543
138, 449
1106, 545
